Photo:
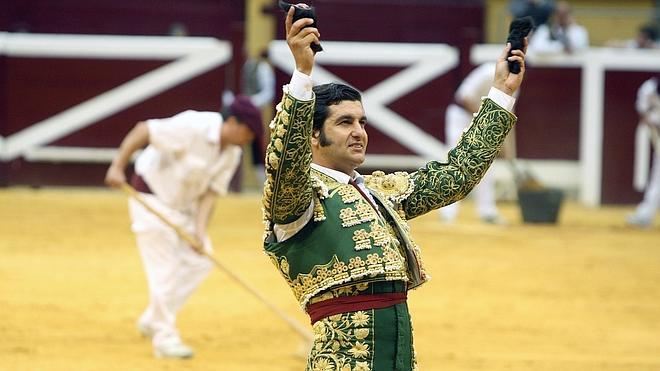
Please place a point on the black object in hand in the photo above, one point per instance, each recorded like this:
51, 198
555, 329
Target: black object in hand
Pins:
302, 11
518, 30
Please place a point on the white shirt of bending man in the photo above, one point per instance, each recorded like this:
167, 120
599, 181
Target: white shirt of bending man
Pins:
183, 159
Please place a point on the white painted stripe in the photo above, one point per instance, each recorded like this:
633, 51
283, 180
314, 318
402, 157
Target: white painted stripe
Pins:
341, 53
406, 81
197, 56
111, 102
80, 155
403, 131
643, 140
609, 58
84, 155
105, 46
591, 133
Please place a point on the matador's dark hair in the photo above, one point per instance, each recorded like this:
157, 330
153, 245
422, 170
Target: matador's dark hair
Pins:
328, 95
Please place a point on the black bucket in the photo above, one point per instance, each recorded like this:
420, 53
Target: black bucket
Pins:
541, 205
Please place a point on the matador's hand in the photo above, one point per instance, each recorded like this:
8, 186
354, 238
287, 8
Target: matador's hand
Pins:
504, 80
299, 37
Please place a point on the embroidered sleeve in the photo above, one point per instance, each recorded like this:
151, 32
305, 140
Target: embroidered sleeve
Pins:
438, 184
288, 187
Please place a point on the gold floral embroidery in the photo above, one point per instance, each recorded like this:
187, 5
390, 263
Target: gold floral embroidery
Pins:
379, 234
439, 184
345, 290
355, 262
343, 342
319, 213
362, 239
290, 188
279, 146
284, 116
373, 260
396, 187
348, 217
349, 194
359, 350
354, 216
288, 191
322, 277
360, 318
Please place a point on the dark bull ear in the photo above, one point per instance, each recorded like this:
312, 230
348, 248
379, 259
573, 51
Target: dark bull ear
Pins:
518, 30
303, 11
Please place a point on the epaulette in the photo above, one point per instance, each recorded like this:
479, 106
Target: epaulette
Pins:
396, 187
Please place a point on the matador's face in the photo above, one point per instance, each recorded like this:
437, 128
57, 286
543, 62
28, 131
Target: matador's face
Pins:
343, 143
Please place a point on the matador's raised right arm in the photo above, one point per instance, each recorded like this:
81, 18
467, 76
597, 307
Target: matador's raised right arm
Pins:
288, 188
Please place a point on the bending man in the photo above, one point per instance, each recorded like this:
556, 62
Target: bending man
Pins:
189, 160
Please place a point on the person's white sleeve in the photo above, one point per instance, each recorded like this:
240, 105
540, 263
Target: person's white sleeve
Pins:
176, 133
644, 93
579, 38
266, 80
285, 231
541, 42
300, 86
502, 99
476, 83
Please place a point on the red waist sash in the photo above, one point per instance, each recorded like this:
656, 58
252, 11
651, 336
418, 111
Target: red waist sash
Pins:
345, 304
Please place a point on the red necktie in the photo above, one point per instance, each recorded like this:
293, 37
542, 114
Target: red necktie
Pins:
352, 182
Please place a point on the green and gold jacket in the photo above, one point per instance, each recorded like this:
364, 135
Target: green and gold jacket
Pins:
347, 241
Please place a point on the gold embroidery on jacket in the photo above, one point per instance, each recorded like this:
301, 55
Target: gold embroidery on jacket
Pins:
380, 234
438, 184
349, 194
396, 187
319, 213
333, 273
345, 290
349, 217
343, 342
362, 239
288, 192
354, 216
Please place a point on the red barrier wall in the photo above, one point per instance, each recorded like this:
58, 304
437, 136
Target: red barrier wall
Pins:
32, 89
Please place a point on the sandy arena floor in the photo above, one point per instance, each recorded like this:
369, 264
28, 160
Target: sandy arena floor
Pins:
583, 295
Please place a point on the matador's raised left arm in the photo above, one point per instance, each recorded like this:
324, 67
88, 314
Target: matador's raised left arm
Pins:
438, 184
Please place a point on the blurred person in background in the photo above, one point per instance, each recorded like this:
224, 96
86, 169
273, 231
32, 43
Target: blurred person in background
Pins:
539, 10
646, 38
257, 83
341, 240
458, 118
258, 80
648, 107
561, 35
188, 161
